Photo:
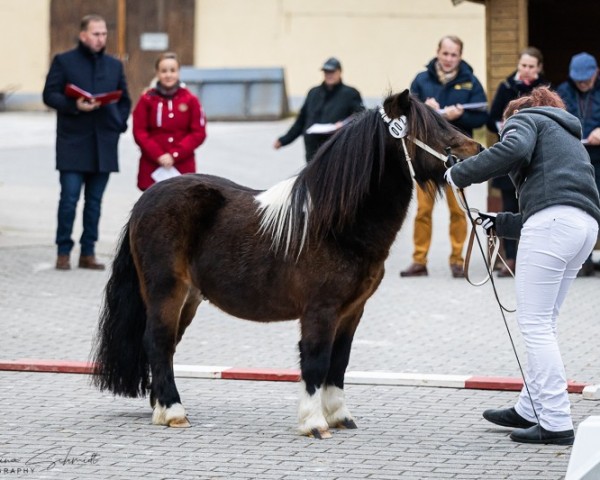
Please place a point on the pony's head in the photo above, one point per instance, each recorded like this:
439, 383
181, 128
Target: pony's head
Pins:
426, 135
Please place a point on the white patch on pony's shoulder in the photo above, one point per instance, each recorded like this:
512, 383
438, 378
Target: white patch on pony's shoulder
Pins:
278, 196
274, 206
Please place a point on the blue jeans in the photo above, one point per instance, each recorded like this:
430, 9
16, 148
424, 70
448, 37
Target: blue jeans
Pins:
71, 184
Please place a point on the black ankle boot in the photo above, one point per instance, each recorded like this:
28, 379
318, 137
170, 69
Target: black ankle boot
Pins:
507, 417
538, 434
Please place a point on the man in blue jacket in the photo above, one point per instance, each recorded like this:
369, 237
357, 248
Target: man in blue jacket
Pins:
87, 135
446, 85
581, 94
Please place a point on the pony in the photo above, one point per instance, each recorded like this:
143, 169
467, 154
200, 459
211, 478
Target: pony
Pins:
311, 247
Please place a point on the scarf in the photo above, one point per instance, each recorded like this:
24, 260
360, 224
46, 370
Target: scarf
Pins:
445, 77
167, 92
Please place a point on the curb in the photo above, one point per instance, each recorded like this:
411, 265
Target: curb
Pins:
290, 375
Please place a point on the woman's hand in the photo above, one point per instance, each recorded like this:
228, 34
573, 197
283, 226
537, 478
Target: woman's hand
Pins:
166, 160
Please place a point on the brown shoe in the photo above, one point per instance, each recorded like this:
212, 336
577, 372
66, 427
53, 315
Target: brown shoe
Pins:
415, 270
89, 261
63, 262
457, 270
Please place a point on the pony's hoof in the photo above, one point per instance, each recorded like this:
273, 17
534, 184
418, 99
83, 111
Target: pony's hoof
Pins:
180, 423
319, 434
347, 423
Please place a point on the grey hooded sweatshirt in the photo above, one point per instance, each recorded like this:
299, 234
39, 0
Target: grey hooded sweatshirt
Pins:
540, 149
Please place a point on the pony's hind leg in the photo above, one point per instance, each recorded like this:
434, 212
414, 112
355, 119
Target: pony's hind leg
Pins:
188, 311
160, 340
333, 397
315, 352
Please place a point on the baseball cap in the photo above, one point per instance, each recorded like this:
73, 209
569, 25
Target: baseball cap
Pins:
331, 64
582, 67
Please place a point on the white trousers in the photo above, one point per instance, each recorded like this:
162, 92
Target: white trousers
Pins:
554, 244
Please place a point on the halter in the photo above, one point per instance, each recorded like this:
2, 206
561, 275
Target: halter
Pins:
398, 128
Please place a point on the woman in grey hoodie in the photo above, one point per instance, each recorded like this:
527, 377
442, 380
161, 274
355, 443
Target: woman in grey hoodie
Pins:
559, 212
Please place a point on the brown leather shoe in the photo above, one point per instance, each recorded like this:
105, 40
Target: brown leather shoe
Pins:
415, 270
89, 261
63, 262
457, 270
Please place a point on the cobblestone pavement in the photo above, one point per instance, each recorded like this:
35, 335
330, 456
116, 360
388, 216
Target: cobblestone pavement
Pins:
246, 429
62, 429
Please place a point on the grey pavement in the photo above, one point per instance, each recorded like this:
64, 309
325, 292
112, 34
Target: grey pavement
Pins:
436, 325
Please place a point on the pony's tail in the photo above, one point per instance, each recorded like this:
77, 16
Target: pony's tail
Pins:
120, 362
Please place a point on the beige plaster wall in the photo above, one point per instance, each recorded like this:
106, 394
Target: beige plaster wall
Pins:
25, 39
382, 44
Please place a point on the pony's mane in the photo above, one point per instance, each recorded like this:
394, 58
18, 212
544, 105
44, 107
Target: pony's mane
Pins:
327, 192
330, 189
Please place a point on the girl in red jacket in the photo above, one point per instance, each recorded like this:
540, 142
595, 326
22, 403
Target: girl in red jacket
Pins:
168, 125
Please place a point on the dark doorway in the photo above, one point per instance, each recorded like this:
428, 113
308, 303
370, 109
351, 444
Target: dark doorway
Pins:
560, 30
138, 30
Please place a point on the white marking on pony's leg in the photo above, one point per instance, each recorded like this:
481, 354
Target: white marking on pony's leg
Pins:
174, 416
334, 406
310, 414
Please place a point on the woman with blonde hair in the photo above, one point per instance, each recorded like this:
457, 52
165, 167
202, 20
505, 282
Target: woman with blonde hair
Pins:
168, 125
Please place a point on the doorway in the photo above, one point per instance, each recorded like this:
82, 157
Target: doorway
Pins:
138, 30
560, 30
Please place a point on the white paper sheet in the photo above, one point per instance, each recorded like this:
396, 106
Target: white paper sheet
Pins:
162, 173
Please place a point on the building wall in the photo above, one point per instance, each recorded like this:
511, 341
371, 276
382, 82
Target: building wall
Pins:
382, 43
506, 24
25, 40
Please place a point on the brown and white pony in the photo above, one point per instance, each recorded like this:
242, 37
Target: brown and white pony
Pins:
312, 247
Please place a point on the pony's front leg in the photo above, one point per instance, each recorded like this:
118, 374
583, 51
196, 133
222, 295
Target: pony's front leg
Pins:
159, 342
315, 351
333, 397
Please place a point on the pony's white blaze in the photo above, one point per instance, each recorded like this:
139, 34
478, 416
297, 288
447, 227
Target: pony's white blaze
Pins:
310, 411
277, 216
333, 401
161, 415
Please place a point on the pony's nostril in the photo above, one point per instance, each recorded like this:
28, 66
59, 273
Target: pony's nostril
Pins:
481, 148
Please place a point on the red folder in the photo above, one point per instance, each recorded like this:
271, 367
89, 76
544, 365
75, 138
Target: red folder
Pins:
104, 98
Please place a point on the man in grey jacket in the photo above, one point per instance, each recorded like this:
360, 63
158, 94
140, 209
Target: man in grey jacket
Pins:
540, 149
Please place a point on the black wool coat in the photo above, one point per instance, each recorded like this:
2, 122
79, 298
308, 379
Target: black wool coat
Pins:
87, 141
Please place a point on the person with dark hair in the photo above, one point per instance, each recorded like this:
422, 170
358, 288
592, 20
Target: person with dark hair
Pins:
448, 86
557, 223
168, 125
521, 82
581, 94
331, 103
87, 135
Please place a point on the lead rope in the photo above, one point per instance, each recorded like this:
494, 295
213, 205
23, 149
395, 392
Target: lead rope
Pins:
398, 129
462, 200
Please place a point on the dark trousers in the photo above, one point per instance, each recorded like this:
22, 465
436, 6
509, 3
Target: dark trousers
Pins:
509, 204
71, 184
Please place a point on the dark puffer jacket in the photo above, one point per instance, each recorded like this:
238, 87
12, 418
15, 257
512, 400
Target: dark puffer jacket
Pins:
586, 107
465, 88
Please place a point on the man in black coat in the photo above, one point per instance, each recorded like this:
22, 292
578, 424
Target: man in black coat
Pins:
87, 135
327, 107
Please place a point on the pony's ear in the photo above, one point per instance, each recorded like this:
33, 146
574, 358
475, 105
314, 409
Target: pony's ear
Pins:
404, 100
